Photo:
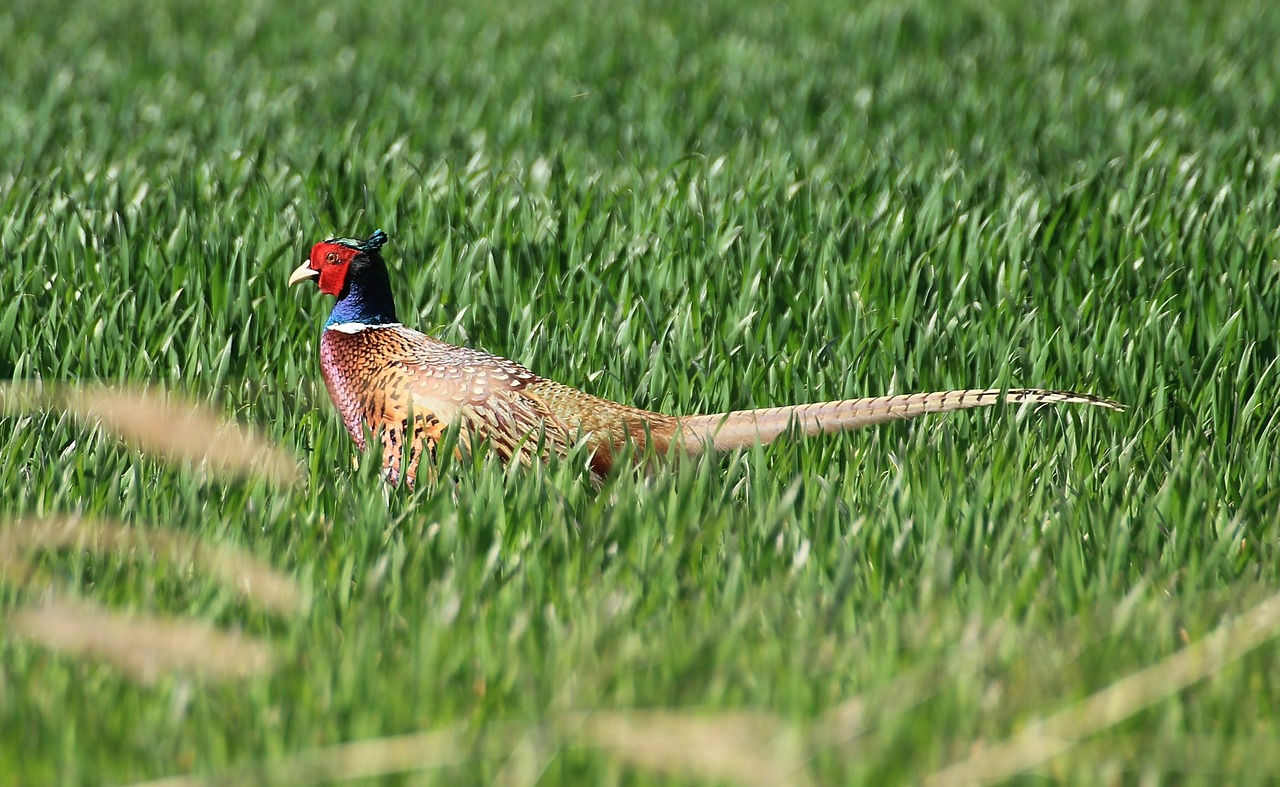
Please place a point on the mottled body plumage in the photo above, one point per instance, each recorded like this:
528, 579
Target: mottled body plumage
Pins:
408, 388
386, 377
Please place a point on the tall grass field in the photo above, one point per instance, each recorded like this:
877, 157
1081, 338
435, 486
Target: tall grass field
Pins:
683, 206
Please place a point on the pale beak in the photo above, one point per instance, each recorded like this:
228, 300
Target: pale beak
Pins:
302, 273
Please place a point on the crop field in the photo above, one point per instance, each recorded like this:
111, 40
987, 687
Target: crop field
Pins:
690, 207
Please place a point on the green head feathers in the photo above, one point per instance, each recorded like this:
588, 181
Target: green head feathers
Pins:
369, 245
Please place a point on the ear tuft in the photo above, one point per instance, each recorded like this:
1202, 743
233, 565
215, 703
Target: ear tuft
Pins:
374, 242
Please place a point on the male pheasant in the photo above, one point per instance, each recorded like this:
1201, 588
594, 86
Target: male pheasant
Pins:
381, 375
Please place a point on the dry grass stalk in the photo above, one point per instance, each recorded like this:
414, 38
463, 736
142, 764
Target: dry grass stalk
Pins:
257, 582
181, 431
161, 425
368, 759
739, 748
1046, 738
735, 748
144, 648
19, 398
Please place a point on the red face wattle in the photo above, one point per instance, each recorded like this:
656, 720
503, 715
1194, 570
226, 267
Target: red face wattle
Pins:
331, 261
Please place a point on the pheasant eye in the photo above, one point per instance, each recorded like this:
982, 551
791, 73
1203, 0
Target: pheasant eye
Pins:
331, 258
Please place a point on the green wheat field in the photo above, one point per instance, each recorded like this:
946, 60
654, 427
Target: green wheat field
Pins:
685, 206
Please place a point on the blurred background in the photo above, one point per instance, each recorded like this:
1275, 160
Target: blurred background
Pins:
691, 207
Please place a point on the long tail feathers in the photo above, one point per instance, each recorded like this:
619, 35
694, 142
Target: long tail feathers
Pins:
727, 431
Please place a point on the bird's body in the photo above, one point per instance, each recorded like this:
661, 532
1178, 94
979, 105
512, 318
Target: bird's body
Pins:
385, 376
409, 388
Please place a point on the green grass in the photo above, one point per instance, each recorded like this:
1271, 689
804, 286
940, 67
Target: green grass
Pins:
690, 207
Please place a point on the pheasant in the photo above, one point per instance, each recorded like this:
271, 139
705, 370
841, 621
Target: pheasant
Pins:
409, 388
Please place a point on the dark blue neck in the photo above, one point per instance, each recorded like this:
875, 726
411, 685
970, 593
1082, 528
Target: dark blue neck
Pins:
366, 299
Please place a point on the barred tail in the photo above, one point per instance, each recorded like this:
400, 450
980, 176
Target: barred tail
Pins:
727, 431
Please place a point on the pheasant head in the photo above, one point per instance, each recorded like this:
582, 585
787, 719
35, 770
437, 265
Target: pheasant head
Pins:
351, 270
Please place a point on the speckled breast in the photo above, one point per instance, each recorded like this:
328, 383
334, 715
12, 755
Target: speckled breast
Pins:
351, 363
